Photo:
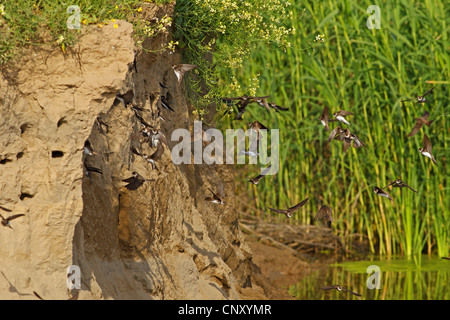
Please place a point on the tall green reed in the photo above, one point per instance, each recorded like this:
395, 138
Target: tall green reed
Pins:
367, 72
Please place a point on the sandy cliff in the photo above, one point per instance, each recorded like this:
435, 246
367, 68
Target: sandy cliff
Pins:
161, 241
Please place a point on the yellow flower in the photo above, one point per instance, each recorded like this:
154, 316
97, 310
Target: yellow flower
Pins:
115, 26
139, 10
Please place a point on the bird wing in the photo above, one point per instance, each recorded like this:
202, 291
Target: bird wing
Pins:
129, 179
390, 184
134, 184
333, 133
354, 293
345, 113
409, 187
429, 91
5, 209
416, 129
278, 210
158, 153
15, 216
328, 287
186, 67
426, 115
298, 206
426, 143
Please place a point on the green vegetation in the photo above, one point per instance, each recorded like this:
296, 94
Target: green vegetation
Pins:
35, 22
400, 279
367, 72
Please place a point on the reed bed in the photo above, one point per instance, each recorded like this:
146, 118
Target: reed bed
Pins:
367, 72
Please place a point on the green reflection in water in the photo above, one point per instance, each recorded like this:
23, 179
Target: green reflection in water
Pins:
401, 278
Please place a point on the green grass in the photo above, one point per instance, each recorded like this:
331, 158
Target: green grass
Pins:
36, 22
366, 72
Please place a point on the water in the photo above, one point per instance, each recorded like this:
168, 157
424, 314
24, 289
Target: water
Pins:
400, 278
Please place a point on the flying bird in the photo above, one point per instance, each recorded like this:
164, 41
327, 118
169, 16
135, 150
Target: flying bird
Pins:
257, 126
337, 133
421, 99
244, 101
288, 212
135, 181
256, 179
399, 184
419, 123
426, 149
325, 214
181, 69
6, 221
217, 197
340, 288
324, 118
340, 116
383, 193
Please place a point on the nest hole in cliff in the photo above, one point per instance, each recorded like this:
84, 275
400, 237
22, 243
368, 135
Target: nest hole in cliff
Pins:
57, 154
25, 195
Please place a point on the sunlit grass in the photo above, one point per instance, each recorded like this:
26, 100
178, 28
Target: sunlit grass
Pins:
367, 72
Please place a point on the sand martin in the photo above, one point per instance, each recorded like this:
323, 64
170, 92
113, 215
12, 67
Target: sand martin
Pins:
399, 184
135, 181
357, 142
337, 133
419, 123
325, 118
242, 104
383, 193
6, 221
257, 126
340, 288
288, 212
325, 214
217, 198
181, 69
88, 150
125, 98
256, 179
426, 149
340, 116
421, 99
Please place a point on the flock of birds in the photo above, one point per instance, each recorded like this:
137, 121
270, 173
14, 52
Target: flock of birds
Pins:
156, 140
339, 133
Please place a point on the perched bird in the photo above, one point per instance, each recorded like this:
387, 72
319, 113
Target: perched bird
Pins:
135, 181
399, 184
125, 98
217, 198
340, 288
340, 116
325, 214
421, 99
426, 149
155, 156
6, 221
288, 212
90, 169
99, 121
88, 150
324, 118
256, 179
181, 69
383, 193
419, 123
157, 138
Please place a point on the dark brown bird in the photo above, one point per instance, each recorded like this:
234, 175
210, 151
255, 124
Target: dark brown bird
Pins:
325, 214
383, 193
421, 99
340, 288
243, 102
155, 156
357, 142
419, 123
337, 133
399, 184
181, 69
277, 107
6, 221
256, 179
217, 197
135, 181
325, 118
426, 149
288, 212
